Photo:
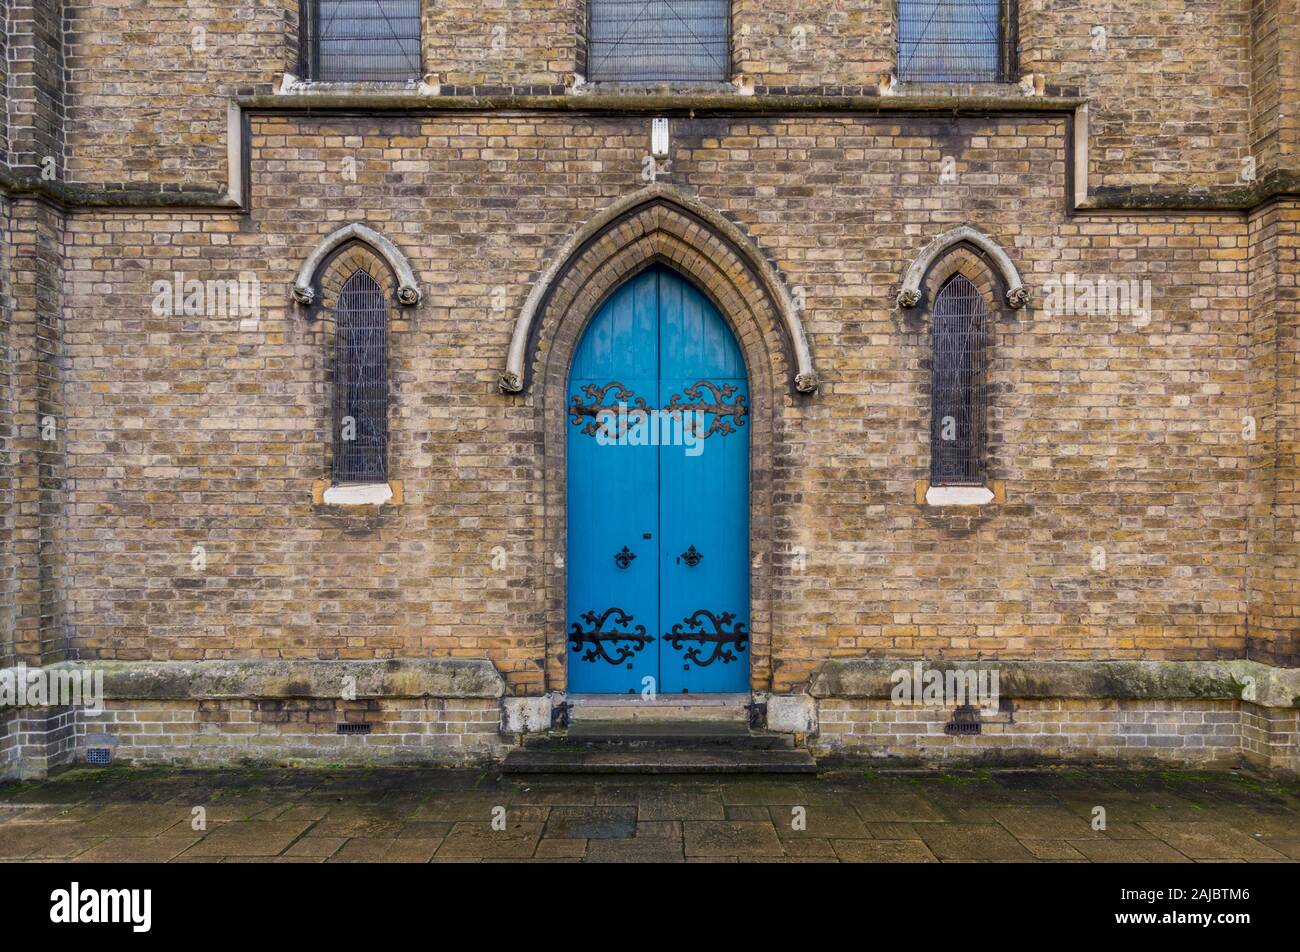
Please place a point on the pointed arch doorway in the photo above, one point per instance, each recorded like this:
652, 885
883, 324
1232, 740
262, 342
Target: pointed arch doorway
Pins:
658, 495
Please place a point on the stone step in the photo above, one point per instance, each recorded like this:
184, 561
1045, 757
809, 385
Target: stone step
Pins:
663, 707
658, 735
695, 761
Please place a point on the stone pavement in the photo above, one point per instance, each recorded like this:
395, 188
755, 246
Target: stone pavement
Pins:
852, 815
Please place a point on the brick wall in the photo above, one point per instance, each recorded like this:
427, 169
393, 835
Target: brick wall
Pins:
186, 430
1191, 732
1265, 82
441, 730
1171, 92
1275, 404
1170, 89
148, 82
4, 84
186, 434
34, 739
817, 43
470, 43
9, 767
35, 85
1271, 736
8, 433
35, 254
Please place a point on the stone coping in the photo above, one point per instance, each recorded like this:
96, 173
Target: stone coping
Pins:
1251, 681
306, 678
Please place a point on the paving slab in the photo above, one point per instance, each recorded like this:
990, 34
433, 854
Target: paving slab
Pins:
479, 839
896, 806
635, 851
1210, 841
596, 823
1129, 851
250, 838
677, 804
838, 820
134, 849
742, 838
883, 851
987, 841
1045, 823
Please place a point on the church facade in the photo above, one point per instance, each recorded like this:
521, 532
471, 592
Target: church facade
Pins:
383, 382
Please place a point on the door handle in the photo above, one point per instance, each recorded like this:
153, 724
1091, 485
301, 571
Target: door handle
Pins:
691, 557
624, 558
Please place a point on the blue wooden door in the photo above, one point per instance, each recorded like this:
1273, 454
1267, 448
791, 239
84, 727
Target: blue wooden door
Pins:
658, 496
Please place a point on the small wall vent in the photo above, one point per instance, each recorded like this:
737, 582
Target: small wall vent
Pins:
965, 720
354, 728
99, 756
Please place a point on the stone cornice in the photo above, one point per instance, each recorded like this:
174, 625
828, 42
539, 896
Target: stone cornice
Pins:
368, 102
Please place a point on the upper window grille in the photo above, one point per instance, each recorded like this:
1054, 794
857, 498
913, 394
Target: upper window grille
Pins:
360, 41
955, 41
957, 385
656, 41
361, 382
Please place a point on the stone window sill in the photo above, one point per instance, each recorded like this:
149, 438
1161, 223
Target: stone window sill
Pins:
357, 496
968, 496
291, 85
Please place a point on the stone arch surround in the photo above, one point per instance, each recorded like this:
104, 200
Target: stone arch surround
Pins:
660, 231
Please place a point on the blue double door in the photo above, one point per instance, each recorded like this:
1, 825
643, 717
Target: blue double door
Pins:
658, 496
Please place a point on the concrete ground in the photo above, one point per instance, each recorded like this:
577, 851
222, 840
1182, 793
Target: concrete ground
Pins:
850, 815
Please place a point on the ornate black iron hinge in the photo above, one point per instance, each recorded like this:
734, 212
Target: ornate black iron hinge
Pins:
598, 637
719, 407
595, 415
723, 641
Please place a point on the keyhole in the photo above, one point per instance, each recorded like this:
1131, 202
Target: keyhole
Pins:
645, 535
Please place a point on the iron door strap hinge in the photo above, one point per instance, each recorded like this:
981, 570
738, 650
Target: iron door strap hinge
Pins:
691, 557
715, 405
624, 558
598, 637
613, 410
722, 639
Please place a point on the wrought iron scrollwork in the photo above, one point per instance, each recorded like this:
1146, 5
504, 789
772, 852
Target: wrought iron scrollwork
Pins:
717, 406
722, 639
595, 414
598, 637
624, 558
692, 556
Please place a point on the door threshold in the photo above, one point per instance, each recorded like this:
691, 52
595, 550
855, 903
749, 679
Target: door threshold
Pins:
659, 700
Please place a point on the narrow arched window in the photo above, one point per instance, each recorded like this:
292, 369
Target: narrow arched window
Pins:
361, 382
957, 385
